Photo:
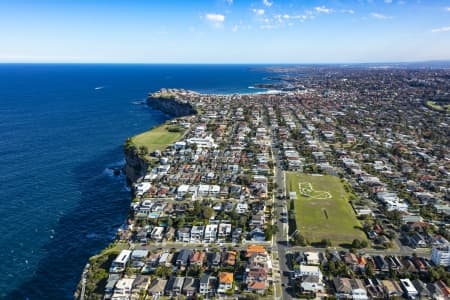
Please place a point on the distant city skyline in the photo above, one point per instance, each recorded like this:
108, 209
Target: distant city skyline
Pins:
224, 31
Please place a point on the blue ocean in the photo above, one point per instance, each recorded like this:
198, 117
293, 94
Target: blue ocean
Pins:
61, 131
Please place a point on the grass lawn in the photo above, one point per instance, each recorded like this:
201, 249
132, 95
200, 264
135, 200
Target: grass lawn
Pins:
157, 138
322, 209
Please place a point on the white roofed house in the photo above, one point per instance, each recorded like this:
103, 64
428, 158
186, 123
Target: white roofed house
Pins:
207, 142
214, 191
312, 284
142, 188
210, 235
392, 201
197, 234
182, 190
157, 233
305, 271
441, 255
120, 262
312, 258
184, 234
122, 291
241, 207
224, 231
203, 190
408, 288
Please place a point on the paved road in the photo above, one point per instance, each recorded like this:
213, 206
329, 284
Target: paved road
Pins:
281, 238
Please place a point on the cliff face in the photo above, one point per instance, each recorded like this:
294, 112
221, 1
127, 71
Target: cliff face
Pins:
171, 106
135, 166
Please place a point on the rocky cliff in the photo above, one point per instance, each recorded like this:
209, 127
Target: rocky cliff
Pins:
171, 105
135, 166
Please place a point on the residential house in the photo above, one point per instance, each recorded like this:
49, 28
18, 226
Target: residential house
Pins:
225, 282
409, 290
123, 289
120, 262
312, 284
157, 287
197, 258
350, 288
210, 234
392, 288
110, 285
441, 255
157, 233
208, 285
184, 234
197, 234
183, 257
305, 271
139, 284
190, 286
312, 258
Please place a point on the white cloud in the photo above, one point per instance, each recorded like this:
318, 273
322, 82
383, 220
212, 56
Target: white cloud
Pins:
347, 11
216, 18
259, 12
229, 2
267, 27
380, 16
442, 29
447, 8
235, 28
323, 9
267, 3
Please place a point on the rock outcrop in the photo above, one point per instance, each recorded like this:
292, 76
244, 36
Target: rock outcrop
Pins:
135, 166
171, 105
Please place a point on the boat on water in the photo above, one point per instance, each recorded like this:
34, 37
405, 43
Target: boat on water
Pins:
99, 87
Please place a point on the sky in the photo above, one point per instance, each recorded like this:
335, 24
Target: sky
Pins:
224, 31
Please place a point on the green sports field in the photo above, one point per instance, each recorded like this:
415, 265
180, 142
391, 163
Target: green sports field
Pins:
322, 209
157, 138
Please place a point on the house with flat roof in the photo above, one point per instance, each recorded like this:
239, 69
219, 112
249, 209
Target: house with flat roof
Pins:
408, 288
210, 234
120, 262
123, 289
197, 233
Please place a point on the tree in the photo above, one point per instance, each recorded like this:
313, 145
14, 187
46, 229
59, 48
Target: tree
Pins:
180, 222
369, 270
331, 267
269, 231
299, 240
364, 244
197, 208
163, 271
356, 244
207, 212
326, 243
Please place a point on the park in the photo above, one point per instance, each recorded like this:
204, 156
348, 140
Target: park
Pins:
322, 210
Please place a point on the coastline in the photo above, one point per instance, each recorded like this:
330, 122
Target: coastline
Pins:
135, 167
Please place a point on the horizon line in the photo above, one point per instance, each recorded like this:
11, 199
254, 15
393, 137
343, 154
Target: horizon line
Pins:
220, 63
